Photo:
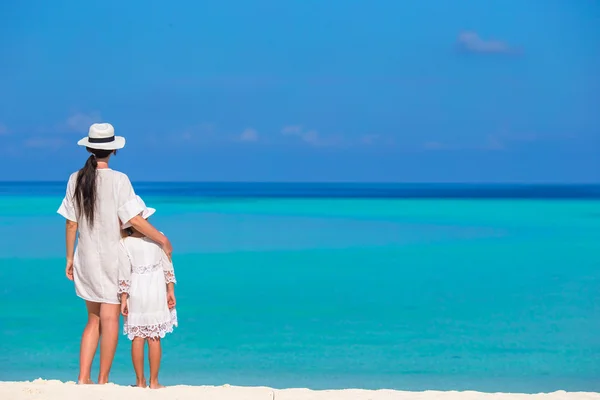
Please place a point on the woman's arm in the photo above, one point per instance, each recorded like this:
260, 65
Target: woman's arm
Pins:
146, 229
70, 236
129, 210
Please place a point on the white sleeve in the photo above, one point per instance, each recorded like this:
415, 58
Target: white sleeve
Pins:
67, 207
167, 267
128, 205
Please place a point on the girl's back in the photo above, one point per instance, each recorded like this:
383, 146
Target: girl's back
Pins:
149, 316
143, 253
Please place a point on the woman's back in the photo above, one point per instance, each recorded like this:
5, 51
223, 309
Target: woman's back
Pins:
96, 259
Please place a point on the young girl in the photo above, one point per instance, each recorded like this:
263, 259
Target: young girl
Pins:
146, 287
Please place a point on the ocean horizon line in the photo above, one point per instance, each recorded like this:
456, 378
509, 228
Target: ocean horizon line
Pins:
328, 190
329, 183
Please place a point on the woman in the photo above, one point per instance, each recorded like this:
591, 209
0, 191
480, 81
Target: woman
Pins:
97, 202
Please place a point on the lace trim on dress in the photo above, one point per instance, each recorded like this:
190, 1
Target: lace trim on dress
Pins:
170, 277
151, 331
124, 285
145, 269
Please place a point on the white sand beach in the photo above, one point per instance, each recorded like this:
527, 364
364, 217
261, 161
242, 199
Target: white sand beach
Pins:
56, 390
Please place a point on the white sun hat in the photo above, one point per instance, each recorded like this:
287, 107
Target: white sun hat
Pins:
102, 137
146, 212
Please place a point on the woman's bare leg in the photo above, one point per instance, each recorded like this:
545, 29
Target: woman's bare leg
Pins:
154, 353
89, 342
137, 356
109, 321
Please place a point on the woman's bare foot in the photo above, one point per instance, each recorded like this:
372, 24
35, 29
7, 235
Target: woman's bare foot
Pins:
141, 383
86, 382
156, 385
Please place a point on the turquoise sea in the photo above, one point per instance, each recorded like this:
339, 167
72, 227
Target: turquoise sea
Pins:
408, 287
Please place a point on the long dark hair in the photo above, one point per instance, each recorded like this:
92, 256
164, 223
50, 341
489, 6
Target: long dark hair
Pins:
85, 188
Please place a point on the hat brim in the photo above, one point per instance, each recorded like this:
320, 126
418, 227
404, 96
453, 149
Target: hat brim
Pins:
116, 144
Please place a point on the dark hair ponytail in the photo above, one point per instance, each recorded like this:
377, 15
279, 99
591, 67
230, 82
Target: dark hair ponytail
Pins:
85, 187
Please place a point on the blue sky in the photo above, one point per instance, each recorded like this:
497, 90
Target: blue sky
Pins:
305, 90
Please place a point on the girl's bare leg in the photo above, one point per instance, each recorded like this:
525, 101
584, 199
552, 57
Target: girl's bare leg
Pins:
155, 353
137, 356
89, 342
109, 321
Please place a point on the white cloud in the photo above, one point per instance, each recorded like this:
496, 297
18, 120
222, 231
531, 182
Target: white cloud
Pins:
471, 42
291, 130
10, 150
249, 135
311, 136
491, 143
370, 139
44, 143
434, 145
80, 122
203, 132
494, 143
75, 123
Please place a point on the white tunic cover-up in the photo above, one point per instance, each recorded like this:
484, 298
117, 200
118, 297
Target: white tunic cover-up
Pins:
145, 280
97, 255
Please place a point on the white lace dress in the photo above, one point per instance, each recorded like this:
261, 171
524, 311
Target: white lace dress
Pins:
146, 283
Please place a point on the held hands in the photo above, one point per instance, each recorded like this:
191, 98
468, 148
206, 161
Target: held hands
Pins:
69, 270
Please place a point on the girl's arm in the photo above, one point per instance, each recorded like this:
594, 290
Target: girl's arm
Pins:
170, 280
124, 277
169, 272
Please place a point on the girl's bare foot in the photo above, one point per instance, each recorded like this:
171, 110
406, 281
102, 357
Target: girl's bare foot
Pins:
86, 382
141, 383
156, 385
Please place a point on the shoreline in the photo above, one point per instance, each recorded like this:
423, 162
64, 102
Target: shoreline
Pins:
56, 390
